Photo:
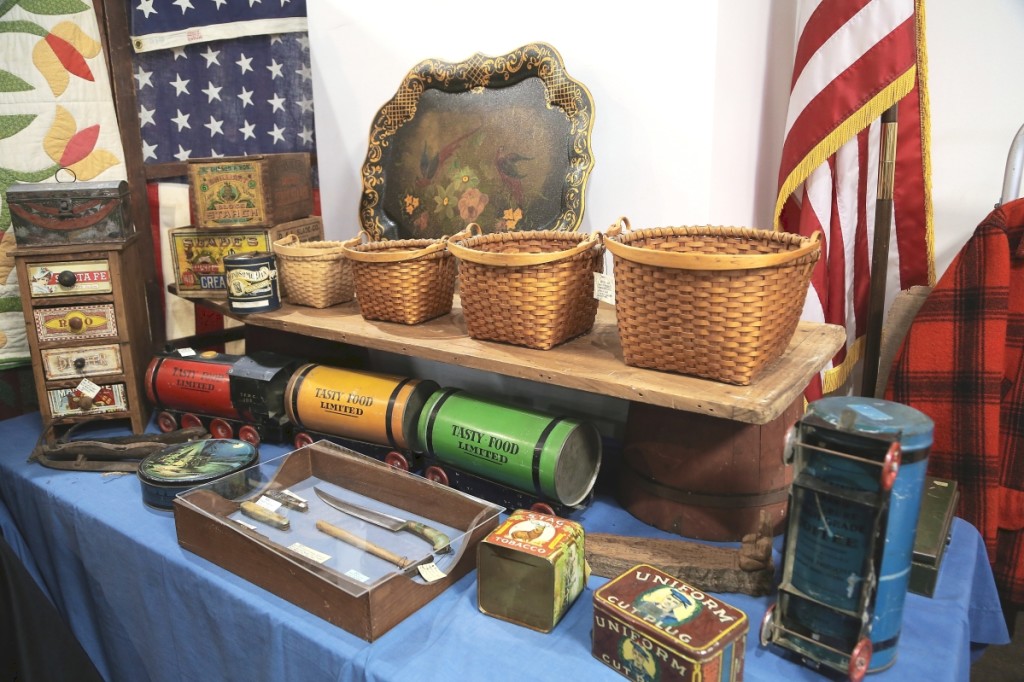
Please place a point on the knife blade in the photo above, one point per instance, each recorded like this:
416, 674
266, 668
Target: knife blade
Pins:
438, 540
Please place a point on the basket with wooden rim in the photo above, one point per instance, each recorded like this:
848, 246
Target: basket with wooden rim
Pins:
715, 302
530, 288
313, 274
404, 280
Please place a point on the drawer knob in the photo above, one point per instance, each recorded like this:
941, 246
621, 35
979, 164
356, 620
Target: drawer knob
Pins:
77, 325
79, 363
67, 279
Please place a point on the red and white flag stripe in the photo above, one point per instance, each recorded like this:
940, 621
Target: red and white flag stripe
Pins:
855, 59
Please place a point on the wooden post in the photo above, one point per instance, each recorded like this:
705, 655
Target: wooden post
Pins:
880, 252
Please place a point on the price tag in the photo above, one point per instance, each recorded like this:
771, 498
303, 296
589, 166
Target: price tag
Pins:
87, 388
430, 572
186, 352
309, 552
268, 504
356, 575
604, 288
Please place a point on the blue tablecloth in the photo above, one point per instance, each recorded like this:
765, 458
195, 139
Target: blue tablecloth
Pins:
145, 609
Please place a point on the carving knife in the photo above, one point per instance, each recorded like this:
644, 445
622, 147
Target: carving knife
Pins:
436, 538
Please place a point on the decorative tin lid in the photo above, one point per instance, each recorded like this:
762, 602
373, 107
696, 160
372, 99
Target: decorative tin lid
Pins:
876, 416
197, 462
647, 598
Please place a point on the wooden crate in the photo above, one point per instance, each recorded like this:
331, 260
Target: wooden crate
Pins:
250, 191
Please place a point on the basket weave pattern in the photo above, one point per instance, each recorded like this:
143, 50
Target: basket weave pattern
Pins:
537, 306
727, 325
316, 280
409, 291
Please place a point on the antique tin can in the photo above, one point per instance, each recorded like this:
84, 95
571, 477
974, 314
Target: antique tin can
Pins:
649, 625
531, 569
250, 191
198, 255
182, 466
364, 406
860, 467
934, 525
57, 213
251, 282
553, 457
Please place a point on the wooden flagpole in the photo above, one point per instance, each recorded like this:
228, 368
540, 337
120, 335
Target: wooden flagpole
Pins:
880, 251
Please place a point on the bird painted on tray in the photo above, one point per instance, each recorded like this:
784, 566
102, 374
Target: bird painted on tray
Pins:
431, 162
510, 173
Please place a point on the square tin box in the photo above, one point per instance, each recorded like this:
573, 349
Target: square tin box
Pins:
530, 569
649, 625
59, 213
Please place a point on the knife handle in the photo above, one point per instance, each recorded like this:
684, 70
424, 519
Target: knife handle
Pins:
365, 545
439, 540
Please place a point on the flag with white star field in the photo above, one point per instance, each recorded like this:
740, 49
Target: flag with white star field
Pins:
251, 95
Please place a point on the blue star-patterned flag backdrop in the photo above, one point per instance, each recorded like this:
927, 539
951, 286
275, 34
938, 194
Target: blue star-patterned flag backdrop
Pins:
207, 86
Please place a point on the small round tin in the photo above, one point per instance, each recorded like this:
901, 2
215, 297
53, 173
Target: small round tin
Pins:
251, 282
183, 466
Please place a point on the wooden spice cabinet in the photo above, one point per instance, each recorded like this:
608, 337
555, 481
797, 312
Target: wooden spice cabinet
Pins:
86, 318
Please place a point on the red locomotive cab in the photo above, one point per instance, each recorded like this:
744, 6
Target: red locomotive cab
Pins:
199, 385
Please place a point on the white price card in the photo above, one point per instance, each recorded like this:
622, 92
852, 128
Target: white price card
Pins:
604, 288
268, 504
309, 552
87, 388
430, 572
186, 352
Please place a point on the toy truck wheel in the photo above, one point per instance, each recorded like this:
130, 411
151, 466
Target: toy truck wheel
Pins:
543, 508
397, 460
189, 420
221, 429
436, 474
249, 434
302, 439
166, 421
891, 466
767, 625
860, 659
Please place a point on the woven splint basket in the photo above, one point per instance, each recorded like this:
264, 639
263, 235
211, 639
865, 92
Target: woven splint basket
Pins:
532, 288
313, 274
715, 302
406, 280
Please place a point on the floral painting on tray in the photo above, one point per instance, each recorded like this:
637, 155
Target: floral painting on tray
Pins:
502, 142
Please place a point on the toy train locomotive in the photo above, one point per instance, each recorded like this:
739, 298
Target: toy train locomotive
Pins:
518, 458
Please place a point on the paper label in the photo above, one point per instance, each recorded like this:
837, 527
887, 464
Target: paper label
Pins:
356, 575
87, 388
430, 572
604, 288
268, 504
186, 352
309, 552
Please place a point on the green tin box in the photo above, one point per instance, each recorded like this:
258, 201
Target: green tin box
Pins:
938, 506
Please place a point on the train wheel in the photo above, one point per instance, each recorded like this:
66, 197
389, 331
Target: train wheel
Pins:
302, 439
767, 626
249, 434
860, 659
436, 474
166, 421
543, 508
891, 466
190, 421
397, 460
221, 429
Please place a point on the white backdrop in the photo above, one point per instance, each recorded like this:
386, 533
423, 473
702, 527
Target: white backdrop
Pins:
690, 99
690, 104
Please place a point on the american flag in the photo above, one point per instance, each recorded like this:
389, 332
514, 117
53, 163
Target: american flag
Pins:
854, 60
224, 82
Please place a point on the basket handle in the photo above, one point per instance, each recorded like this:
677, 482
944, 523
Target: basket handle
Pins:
383, 257
291, 245
705, 261
515, 259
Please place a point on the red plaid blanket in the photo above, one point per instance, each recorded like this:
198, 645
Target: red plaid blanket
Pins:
961, 364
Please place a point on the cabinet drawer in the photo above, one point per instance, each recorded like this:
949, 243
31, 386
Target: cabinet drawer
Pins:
69, 278
69, 402
82, 361
75, 323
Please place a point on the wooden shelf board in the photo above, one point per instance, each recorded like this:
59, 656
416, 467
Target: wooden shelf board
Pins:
592, 363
